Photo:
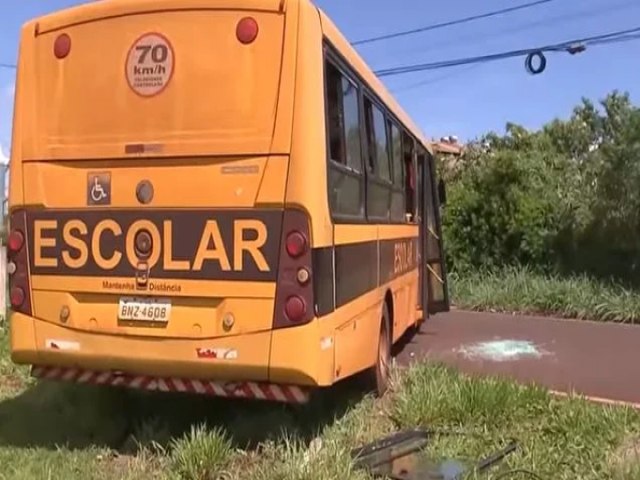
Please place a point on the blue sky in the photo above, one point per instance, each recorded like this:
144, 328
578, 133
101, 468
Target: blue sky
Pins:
464, 101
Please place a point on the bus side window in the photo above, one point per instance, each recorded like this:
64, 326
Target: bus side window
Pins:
378, 165
335, 119
409, 161
370, 136
422, 161
346, 179
397, 193
383, 170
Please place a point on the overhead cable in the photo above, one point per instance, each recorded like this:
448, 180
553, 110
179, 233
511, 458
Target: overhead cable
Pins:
546, 22
450, 23
571, 46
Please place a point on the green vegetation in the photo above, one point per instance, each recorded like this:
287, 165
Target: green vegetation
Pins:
59, 431
522, 290
561, 202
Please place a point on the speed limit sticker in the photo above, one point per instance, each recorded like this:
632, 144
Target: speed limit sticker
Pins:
150, 64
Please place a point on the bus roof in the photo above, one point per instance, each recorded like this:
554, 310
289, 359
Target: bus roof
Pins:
101, 9
350, 54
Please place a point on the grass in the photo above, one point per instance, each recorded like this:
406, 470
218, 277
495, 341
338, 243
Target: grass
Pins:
524, 291
12, 377
53, 431
559, 438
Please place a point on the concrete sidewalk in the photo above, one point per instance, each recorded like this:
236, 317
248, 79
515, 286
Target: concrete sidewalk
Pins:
594, 359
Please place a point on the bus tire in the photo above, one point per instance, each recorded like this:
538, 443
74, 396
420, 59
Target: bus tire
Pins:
379, 374
417, 328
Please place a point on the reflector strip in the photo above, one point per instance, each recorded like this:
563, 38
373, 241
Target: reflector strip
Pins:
250, 390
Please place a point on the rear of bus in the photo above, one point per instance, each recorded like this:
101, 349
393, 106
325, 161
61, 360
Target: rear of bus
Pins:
151, 245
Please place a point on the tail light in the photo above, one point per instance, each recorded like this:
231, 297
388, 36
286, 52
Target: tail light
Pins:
294, 304
18, 264
15, 241
295, 309
17, 297
295, 244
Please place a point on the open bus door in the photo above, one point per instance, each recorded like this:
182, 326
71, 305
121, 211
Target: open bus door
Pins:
433, 274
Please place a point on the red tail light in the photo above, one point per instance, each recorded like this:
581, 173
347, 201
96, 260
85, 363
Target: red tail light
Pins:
18, 264
17, 297
295, 309
296, 244
247, 30
15, 241
294, 294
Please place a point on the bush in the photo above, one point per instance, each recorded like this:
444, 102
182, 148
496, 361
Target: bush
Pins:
563, 199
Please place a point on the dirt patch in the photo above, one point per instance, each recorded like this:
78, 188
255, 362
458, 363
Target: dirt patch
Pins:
627, 456
144, 465
11, 383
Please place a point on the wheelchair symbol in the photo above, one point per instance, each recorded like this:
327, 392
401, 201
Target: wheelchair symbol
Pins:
97, 192
99, 189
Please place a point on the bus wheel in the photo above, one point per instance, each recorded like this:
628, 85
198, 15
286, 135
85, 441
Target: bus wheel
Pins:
380, 373
417, 327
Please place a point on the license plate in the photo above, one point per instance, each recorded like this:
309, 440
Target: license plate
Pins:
157, 310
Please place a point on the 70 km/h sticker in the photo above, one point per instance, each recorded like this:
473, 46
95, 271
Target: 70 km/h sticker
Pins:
150, 64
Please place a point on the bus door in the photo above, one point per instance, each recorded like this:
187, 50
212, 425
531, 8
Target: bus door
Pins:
433, 275
420, 199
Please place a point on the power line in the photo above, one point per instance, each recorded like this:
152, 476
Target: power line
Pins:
621, 39
439, 78
450, 23
542, 22
572, 46
8, 65
432, 80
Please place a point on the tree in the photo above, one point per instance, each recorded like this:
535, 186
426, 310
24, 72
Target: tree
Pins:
564, 197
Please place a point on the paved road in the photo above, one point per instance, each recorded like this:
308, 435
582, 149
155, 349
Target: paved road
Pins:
594, 359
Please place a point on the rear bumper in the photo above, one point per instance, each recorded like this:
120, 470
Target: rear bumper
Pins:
250, 390
292, 357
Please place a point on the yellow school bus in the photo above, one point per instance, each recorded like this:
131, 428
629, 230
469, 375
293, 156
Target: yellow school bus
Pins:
216, 197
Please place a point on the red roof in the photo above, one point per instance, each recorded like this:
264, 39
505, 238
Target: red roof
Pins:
444, 147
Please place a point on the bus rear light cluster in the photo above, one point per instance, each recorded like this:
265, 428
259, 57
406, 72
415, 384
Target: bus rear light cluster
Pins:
294, 293
17, 264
